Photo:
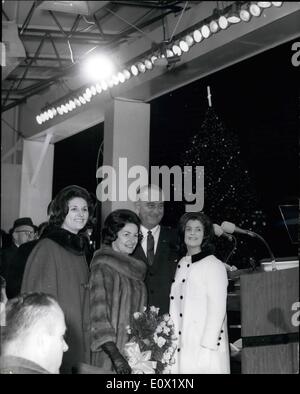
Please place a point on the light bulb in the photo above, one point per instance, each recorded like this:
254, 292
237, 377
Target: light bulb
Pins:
255, 10
98, 88
77, 102
121, 77
183, 46
134, 70
141, 66
38, 119
98, 67
86, 96
153, 59
264, 4
127, 74
234, 18
214, 27
169, 53
93, 90
245, 15
88, 93
189, 40
197, 35
176, 50
72, 104
60, 110
148, 64
82, 100
104, 85
223, 22
205, 31
115, 80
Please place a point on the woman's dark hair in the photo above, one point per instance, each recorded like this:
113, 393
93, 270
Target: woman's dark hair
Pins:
115, 221
60, 204
207, 245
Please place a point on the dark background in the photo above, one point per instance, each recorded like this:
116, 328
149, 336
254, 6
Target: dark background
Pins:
258, 99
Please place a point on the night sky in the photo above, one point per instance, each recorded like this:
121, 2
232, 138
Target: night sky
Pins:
258, 99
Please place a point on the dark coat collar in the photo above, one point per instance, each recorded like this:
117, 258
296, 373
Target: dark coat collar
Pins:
124, 264
199, 256
74, 243
19, 365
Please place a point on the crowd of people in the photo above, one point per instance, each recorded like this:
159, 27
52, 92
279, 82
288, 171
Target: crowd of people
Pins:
64, 310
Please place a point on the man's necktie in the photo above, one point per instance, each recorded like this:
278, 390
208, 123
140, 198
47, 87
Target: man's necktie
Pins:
150, 248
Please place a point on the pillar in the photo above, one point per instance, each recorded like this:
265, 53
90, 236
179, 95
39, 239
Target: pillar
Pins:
126, 145
36, 179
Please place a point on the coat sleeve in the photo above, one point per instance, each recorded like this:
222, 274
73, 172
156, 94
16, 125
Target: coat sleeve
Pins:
216, 292
41, 270
101, 290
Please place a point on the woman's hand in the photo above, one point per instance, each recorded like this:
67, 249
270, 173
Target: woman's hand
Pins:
120, 365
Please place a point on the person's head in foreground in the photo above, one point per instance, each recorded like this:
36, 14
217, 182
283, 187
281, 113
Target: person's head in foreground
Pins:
34, 331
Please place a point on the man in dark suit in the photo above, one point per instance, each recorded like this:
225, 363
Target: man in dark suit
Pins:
23, 231
158, 247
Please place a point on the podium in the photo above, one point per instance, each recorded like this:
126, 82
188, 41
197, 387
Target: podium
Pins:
270, 322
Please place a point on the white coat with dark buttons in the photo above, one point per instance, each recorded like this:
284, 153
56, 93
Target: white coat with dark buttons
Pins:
198, 310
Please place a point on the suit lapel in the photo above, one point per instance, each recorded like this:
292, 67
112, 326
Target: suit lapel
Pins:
162, 248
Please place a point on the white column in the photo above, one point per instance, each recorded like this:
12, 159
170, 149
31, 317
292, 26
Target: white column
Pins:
126, 144
36, 180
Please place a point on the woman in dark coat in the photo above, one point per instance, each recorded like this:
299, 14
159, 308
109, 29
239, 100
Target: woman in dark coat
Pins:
117, 290
57, 266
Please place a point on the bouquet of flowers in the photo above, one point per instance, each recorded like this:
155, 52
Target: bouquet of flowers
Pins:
152, 342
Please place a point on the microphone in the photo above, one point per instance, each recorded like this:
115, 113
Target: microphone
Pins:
219, 232
231, 228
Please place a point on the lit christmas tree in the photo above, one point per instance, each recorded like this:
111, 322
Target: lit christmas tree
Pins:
229, 193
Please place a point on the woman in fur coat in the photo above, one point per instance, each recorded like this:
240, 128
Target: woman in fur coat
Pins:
117, 290
198, 301
57, 266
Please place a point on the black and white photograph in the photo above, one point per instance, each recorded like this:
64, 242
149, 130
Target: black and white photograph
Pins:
150, 190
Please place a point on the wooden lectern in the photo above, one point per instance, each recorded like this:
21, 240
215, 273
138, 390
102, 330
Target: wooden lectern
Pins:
270, 322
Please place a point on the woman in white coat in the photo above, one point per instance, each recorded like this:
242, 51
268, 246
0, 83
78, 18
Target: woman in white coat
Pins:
198, 301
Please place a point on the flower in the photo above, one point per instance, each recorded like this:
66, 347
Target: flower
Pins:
153, 335
166, 330
161, 341
128, 329
158, 329
154, 309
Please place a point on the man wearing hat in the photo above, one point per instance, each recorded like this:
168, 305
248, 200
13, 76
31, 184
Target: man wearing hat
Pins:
23, 231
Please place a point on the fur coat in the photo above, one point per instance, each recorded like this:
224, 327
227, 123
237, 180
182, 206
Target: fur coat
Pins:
57, 266
117, 290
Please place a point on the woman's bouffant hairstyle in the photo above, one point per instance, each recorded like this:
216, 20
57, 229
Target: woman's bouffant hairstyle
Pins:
207, 245
60, 206
115, 221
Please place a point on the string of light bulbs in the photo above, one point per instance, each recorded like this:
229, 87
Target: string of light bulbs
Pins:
240, 11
